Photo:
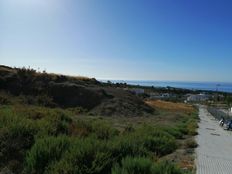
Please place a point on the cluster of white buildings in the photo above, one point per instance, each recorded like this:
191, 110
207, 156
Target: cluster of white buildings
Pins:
197, 97
160, 96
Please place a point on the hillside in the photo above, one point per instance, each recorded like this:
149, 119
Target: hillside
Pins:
51, 123
87, 94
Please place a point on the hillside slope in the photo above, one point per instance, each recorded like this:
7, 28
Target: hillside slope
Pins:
55, 90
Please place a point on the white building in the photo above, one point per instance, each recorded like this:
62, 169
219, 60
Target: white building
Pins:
161, 95
197, 97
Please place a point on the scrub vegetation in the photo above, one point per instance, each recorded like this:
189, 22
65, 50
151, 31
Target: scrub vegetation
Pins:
41, 137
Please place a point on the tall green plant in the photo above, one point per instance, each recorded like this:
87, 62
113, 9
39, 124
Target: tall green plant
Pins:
45, 152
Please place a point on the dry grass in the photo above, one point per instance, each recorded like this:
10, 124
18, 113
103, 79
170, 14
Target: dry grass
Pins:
170, 106
54, 75
182, 158
7, 69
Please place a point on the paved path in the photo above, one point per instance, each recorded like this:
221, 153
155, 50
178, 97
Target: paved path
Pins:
214, 153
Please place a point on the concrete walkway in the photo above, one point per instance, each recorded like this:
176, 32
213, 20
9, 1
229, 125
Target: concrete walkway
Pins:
214, 153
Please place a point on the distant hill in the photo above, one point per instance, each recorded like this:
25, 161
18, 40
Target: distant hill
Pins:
54, 90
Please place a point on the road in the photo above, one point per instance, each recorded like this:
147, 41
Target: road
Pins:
214, 153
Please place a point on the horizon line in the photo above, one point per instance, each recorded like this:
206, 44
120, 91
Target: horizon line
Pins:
149, 80
139, 80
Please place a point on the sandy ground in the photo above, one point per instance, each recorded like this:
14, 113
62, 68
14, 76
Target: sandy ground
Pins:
214, 153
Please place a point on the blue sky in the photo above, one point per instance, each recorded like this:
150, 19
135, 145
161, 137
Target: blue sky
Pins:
179, 40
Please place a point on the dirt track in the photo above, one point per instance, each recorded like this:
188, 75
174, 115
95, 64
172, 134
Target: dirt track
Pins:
214, 153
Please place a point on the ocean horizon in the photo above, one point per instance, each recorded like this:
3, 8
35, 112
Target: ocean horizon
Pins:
209, 86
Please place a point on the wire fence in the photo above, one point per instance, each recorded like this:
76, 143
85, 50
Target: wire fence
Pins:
218, 114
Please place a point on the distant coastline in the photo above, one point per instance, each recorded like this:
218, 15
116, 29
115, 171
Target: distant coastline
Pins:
209, 86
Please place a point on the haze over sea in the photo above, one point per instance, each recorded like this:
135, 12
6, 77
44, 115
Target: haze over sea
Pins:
211, 86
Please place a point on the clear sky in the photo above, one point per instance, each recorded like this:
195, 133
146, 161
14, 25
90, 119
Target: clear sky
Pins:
184, 40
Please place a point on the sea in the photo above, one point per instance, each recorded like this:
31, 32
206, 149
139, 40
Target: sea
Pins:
209, 86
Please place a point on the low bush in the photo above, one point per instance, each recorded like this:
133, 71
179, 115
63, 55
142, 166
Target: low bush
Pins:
98, 128
103, 130
166, 167
44, 152
191, 143
129, 128
174, 131
156, 140
130, 165
37, 139
85, 156
128, 145
192, 127
39, 100
16, 137
159, 145
55, 124
189, 127
80, 128
144, 141
182, 127
141, 165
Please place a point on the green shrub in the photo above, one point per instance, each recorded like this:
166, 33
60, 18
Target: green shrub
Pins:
61, 167
166, 167
130, 165
141, 165
156, 140
100, 129
85, 156
189, 125
182, 127
7, 116
44, 152
103, 130
128, 145
80, 128
160, 145
192, 127
37, 137
129, 128
56, 124
16, 137
153, 131
143, 142
174, 131
14, 141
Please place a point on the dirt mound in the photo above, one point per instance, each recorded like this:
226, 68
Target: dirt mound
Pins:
122, 103
72, 95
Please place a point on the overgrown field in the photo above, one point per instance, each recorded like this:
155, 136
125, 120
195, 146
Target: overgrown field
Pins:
37, 139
